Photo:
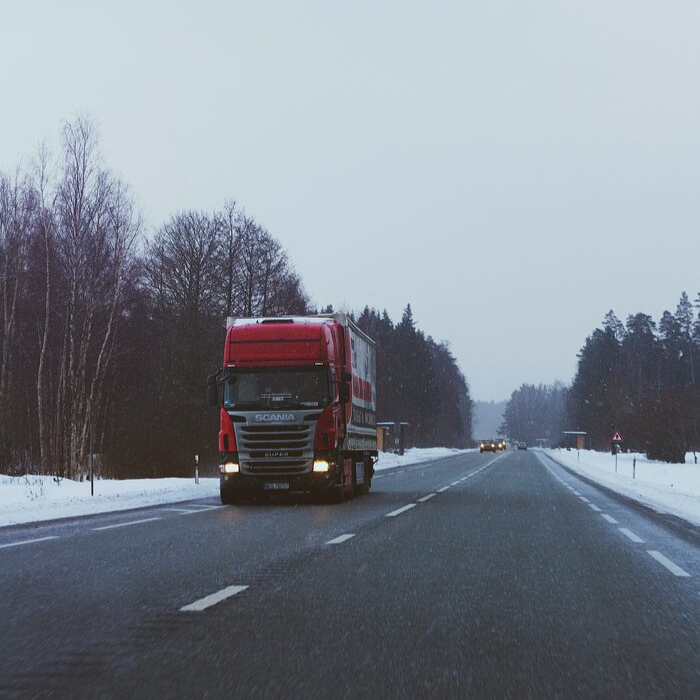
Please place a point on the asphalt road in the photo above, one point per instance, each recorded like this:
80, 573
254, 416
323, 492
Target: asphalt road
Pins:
515, 579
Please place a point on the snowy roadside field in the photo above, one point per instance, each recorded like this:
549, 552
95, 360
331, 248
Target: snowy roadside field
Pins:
36, 498
387, 460
667, 488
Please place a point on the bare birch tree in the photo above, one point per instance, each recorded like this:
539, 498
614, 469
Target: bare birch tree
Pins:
96, 230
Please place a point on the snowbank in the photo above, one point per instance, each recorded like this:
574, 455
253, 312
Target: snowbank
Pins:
387, 460
667, 488
35, 498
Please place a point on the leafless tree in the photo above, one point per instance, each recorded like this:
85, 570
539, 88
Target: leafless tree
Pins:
95, 229
17, 212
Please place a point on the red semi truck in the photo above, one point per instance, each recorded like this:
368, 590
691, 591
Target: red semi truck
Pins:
298, 407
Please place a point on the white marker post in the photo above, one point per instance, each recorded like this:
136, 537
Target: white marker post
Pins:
92, 462
196, 469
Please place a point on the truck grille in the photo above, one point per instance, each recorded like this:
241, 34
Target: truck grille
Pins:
276, 449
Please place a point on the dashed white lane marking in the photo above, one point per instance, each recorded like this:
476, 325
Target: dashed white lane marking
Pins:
574, 491
131, 522
398, 511
454, 483
426, 498
594, 507
213, 599
341, 538
609, 518
673, 568
378, 476
443, 489
584, 499
21, 542
631, 535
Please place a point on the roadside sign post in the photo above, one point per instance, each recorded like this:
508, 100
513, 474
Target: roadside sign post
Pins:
196, 469
615, 441
634, 467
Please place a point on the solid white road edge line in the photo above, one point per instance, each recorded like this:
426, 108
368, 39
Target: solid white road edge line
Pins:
181, 510
38, 539
131, 522
631, 535
213, 599
673, 568
426, 498
341, 538
609, 518
398, 511
203, 506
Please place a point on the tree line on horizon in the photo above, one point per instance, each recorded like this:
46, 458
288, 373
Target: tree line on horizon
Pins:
640, 377
108, 331
419, 382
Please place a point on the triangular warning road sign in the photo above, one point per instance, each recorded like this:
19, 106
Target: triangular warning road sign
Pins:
616, 437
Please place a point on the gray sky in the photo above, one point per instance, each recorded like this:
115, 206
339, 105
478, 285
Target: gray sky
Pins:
513, 169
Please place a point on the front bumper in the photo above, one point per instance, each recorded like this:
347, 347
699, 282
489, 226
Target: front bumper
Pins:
298, 483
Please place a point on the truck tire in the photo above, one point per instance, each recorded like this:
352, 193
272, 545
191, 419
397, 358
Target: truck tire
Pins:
335, 495
229, 497
364, 487
357, 489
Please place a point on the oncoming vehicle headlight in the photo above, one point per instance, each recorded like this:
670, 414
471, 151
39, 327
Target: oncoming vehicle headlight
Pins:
230, 468
321, 465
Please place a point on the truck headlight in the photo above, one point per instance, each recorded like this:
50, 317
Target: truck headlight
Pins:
230, 468
321, 465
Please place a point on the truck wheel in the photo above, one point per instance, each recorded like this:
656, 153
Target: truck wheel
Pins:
229, 497
335, 495
359, 489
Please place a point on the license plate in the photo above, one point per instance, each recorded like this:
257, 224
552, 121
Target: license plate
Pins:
276, 486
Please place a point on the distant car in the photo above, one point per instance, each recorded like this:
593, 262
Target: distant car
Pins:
488, 445
502, 444
522, 445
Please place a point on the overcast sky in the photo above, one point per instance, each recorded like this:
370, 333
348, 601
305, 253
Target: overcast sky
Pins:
511, 168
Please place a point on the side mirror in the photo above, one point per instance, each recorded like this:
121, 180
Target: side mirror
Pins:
343, 393
212, 391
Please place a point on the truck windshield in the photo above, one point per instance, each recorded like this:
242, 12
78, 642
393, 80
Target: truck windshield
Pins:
291, 387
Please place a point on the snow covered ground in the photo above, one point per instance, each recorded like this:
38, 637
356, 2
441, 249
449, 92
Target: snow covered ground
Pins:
35, 498
387, 460
667, 488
